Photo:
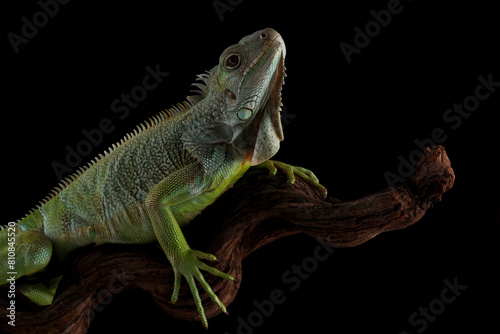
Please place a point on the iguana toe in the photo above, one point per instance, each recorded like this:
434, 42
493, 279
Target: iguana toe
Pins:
188, 265
293, 171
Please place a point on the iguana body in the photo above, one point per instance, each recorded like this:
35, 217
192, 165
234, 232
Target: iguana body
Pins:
159, 178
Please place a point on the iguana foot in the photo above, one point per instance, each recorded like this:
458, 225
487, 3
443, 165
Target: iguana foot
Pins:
41, 293
291, 172
188, 264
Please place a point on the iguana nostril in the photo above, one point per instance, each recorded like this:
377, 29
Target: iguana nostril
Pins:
264, 35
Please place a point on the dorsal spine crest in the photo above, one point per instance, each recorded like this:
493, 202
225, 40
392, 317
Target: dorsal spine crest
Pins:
164, 115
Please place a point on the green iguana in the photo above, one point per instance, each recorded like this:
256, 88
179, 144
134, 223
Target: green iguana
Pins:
157, 179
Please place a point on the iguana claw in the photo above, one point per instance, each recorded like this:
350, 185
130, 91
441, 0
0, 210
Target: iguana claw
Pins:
291, 172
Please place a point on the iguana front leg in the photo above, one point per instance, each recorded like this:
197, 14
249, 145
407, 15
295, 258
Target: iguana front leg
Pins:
184, 188
291, 172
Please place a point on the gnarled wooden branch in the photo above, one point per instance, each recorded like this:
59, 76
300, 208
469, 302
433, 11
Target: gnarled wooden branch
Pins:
257, 211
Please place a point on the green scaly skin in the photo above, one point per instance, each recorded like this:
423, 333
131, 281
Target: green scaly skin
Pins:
153, 183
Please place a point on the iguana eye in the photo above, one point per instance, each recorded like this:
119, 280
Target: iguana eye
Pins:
232, 61
244, 114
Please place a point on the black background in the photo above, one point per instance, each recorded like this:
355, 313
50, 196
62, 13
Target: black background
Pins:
350, 123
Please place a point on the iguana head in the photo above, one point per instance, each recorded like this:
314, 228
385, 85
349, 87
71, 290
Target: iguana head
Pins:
246, 88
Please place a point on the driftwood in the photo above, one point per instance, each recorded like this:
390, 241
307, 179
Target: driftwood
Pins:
258, 210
